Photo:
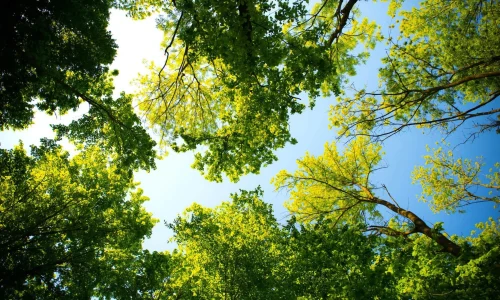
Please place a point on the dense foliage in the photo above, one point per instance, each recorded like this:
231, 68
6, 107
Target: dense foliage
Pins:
54, 56
234, 71
72, 225
440, 71
60, 217
46, 44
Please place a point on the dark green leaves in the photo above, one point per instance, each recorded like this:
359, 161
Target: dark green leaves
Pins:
45, 43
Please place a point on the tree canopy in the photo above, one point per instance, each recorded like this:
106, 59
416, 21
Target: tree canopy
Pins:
230, 252
72, 224
338, 185
233, 73
60, 216
449, 184
47, 45
440, 71
56, 55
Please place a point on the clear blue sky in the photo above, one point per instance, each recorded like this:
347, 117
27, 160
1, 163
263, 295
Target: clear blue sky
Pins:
174, 185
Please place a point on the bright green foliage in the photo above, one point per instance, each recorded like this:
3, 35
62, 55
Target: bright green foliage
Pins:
112, 125
333, 183
234, 70
441, 70
238, 251
45, 46
448, 183
479, 271
418, 269
327, 262
132, 275
337, 186
228, 252
421, 272
72, 227
59, 216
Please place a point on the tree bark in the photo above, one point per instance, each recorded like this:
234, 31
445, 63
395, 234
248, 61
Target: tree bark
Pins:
343, 15
421, 226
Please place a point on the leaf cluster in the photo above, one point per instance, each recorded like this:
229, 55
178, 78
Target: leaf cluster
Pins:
60, 216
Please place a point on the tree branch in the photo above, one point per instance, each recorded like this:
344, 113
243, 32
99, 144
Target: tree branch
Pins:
344, 13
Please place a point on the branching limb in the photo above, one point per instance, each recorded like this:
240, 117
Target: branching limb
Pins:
344, 16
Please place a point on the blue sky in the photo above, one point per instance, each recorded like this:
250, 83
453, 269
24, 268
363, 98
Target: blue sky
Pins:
173, 186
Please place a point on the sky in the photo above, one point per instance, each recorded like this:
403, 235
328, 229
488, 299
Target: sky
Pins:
174, 186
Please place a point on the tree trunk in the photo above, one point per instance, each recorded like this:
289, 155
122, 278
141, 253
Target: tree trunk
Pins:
421, 226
